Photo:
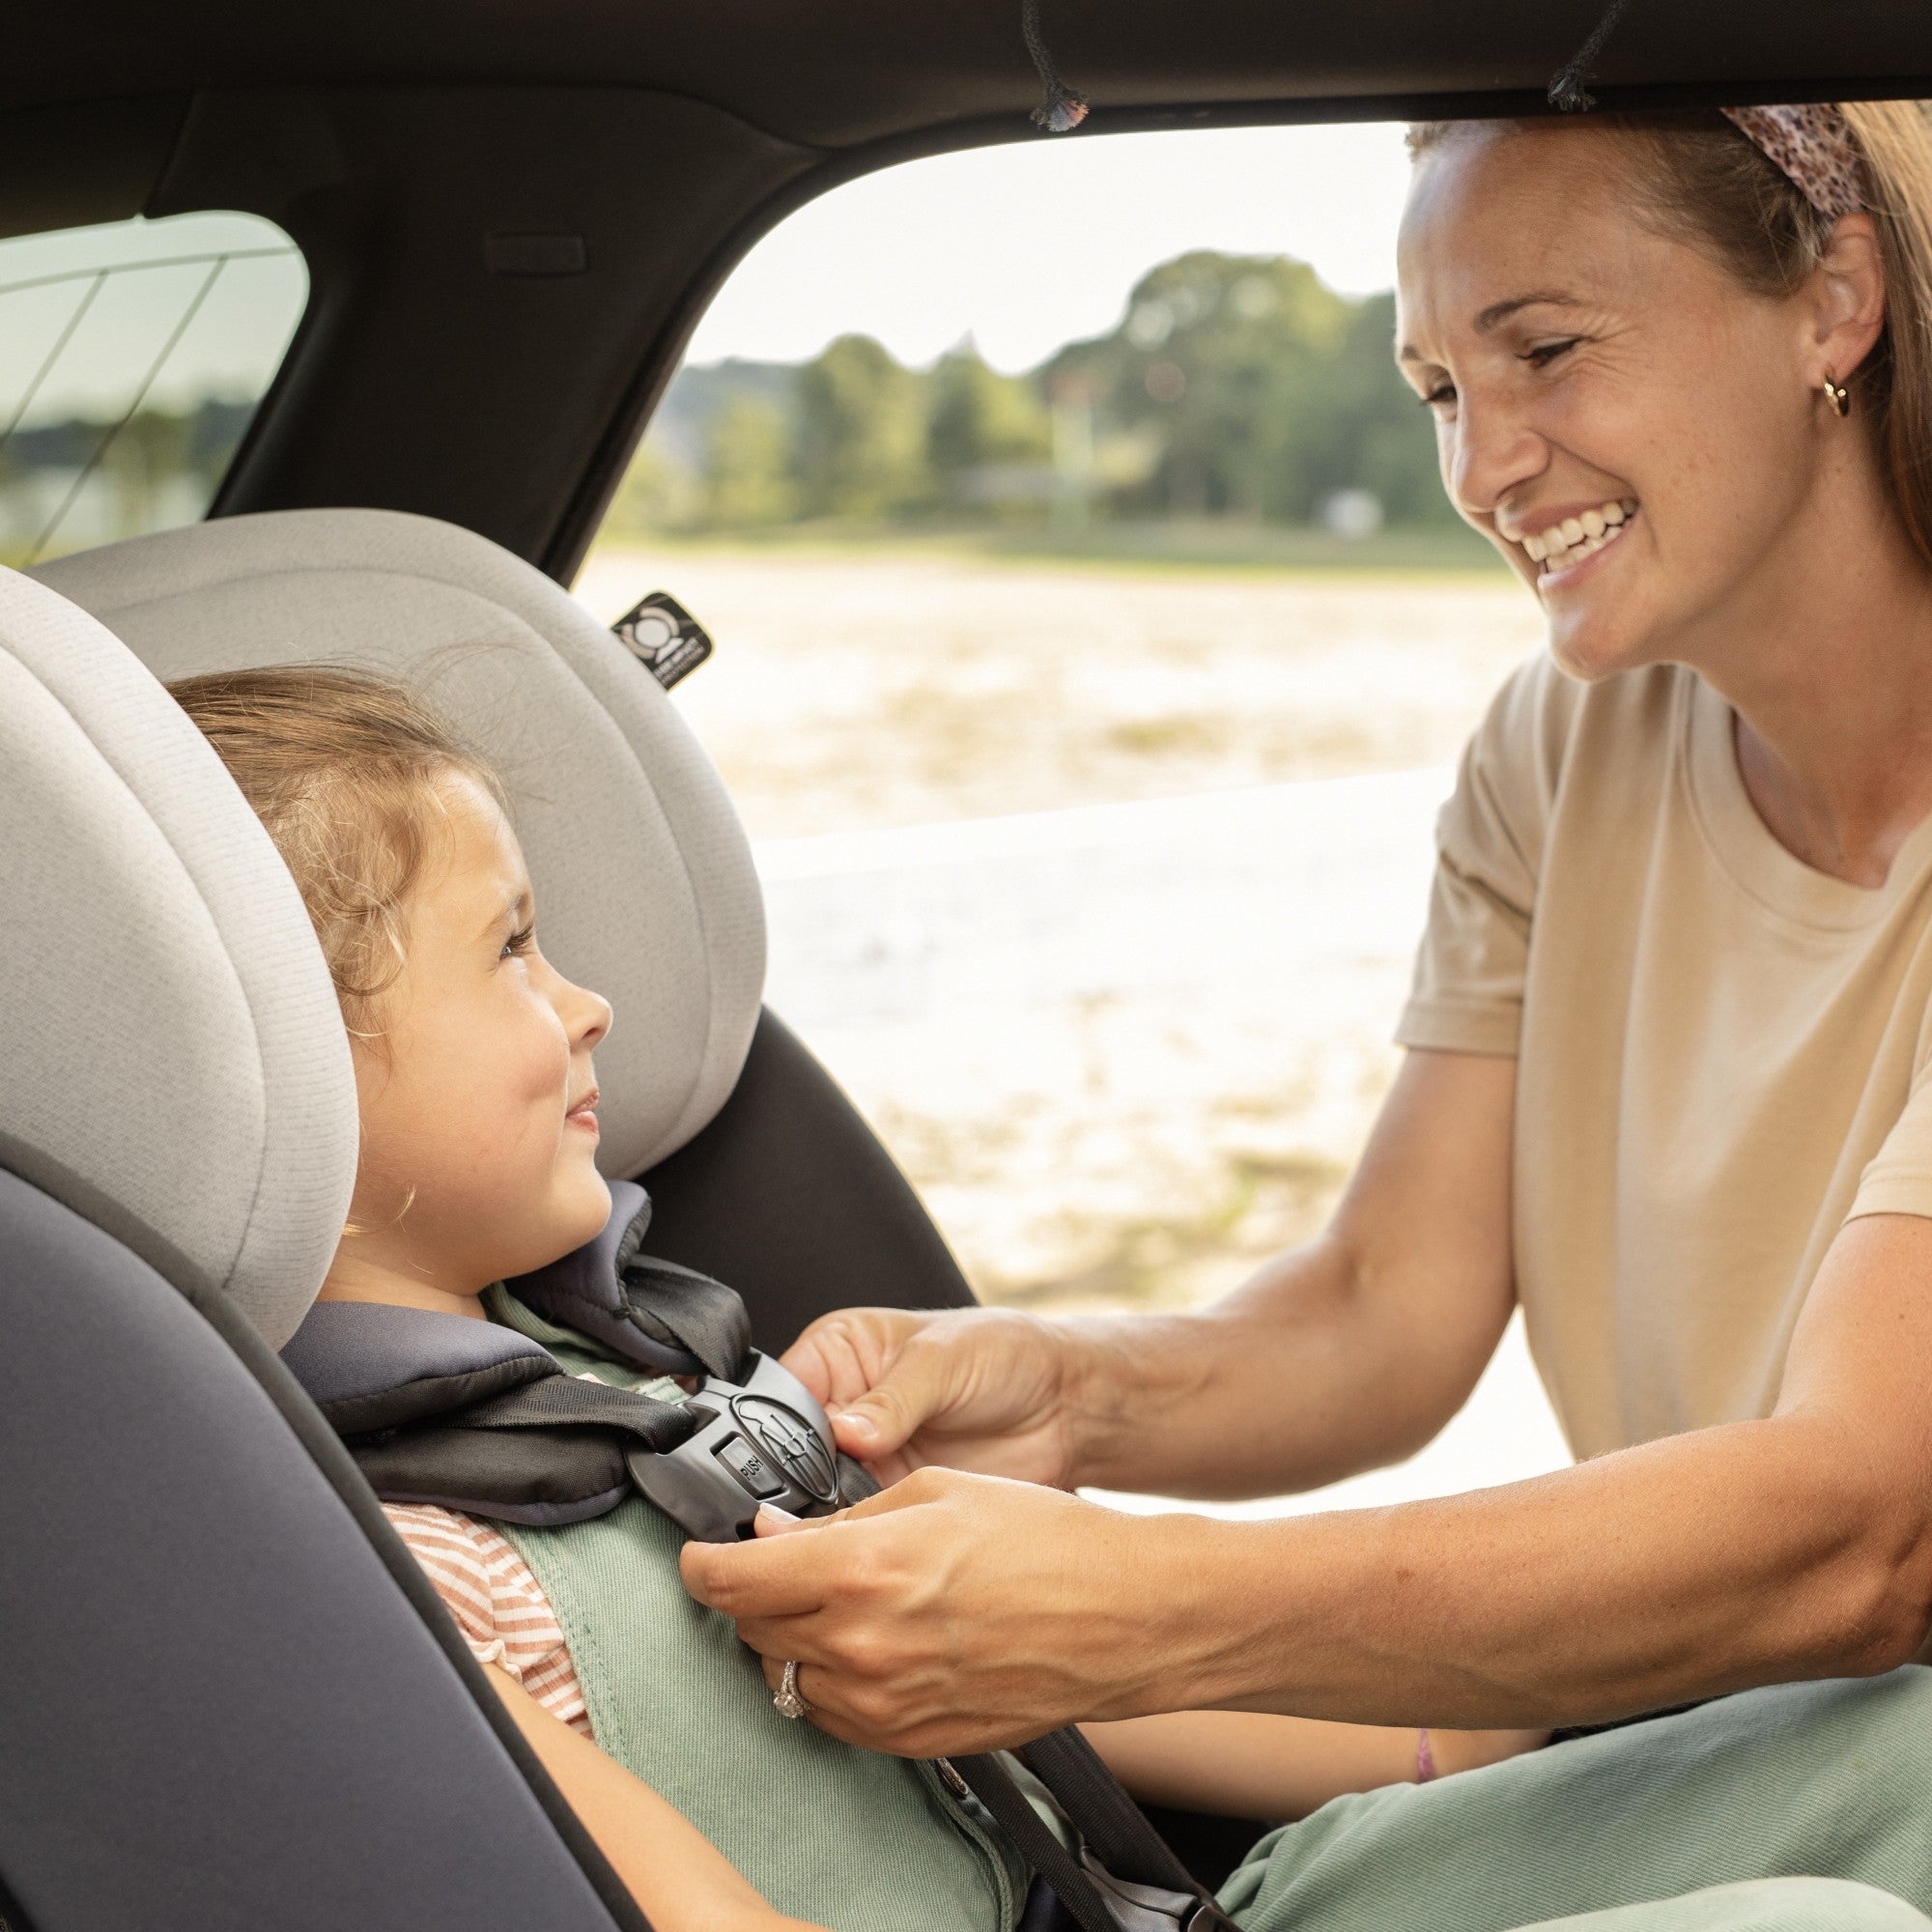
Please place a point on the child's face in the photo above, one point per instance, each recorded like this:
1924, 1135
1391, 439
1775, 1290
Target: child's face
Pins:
478, 1101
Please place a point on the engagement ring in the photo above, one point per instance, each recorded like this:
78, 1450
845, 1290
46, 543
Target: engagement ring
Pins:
785, 1699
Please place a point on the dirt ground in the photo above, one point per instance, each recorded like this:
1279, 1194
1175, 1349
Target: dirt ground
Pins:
1055, 889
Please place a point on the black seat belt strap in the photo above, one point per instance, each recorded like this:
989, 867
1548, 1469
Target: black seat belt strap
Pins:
989, 1781
562, 1399
1113, 1825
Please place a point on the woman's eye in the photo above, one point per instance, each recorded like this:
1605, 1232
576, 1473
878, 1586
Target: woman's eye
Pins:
520, 941
1546, 353
1440, 397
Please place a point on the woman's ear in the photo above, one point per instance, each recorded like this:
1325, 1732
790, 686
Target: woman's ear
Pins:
1846, 298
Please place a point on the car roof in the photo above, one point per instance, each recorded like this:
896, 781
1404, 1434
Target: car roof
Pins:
513, 215
839, 73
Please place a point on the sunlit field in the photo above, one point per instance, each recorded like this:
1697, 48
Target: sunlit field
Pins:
1095, 887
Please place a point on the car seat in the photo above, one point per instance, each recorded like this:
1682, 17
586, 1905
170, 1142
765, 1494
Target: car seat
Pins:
232, 1700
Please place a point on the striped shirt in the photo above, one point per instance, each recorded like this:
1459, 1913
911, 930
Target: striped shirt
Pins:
497, 1603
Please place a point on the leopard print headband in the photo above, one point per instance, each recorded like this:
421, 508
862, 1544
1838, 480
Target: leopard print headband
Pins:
1813, 146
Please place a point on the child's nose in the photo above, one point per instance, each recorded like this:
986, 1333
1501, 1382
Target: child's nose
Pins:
594, 1016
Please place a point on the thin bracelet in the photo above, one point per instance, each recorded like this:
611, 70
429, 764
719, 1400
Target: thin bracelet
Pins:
1425, 1758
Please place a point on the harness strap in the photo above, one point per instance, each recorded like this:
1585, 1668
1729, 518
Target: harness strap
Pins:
651, 1312
562, 1399
987, 1778
1115, 1827
1095, 1893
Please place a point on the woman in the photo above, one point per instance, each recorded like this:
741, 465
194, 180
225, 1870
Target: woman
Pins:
1666, 1088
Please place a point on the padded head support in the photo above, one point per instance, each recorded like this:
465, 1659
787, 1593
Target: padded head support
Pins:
644, 884
172, 1063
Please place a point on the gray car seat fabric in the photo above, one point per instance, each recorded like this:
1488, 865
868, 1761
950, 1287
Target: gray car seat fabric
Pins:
229, 1705
645, 890
171, 1064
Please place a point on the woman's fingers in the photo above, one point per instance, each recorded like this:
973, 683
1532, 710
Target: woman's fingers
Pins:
955, 1612
970, 1389
770, 1575
840, 1356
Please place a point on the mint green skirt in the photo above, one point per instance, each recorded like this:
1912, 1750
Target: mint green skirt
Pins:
1799, 1807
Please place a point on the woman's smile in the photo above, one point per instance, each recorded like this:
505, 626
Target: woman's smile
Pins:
1566, 539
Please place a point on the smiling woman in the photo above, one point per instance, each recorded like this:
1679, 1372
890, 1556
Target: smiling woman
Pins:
1670, 1090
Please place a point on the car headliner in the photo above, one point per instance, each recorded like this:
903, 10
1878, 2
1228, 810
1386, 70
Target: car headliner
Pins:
845, 71
651, 145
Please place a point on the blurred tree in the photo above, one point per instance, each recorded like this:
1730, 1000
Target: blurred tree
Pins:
655, 495
1268, 391
1235, 386
978, 420
859, 436
748, 466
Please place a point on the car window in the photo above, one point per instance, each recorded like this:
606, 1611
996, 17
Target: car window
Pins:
132, 355
1095, 644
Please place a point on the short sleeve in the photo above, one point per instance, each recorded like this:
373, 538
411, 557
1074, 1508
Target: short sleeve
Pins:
497, 1603
1467, 995
1897, 1179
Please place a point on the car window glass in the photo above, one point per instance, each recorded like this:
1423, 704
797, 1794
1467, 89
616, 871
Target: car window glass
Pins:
1095, 643
132, 355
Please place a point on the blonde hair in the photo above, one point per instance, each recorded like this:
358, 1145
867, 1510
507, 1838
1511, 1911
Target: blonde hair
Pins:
343, 767
1704, 182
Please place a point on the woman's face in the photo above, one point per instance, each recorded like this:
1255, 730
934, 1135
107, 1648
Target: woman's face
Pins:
1582, 367
478, 1102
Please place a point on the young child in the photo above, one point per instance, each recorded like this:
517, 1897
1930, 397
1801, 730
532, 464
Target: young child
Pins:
479, 1108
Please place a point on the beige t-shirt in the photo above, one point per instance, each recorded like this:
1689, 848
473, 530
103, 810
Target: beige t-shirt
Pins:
1722, 1054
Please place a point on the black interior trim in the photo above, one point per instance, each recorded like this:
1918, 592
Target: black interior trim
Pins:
788, 1197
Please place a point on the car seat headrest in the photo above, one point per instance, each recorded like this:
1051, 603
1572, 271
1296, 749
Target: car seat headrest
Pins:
645, 889
172, 1062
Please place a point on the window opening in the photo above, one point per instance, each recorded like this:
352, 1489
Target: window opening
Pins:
135, 353
1094, 646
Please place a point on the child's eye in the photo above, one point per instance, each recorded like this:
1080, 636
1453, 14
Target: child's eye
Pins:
520, 941
1546, 353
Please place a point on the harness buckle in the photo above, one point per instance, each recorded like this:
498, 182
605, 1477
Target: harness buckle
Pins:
763, 1440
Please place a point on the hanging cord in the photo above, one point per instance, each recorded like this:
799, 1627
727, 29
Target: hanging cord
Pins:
1060, 109
1566, 89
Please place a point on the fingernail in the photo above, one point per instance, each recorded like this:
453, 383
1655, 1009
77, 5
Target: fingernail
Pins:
859, 1423
778, 1518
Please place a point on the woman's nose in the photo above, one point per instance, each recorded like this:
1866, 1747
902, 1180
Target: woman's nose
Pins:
1495, 453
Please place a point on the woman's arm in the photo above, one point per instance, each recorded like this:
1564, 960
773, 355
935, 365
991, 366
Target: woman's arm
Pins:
1273, 1768
681, 1881
953, 1612
1343, 1355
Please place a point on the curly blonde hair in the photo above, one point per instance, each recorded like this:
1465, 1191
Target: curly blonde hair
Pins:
343, 767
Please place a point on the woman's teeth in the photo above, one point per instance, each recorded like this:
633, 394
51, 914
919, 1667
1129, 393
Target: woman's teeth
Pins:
1576, 537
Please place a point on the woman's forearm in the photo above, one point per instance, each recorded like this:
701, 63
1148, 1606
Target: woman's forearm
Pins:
1735, 1556
1303, 1378
1342, 1355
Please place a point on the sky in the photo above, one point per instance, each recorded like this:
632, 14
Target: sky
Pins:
1031, 246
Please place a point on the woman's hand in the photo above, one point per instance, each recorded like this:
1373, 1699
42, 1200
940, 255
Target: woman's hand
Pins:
979, 1388
960, 1612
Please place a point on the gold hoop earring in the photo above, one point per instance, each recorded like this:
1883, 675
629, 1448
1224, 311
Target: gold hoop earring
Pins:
1835, 394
